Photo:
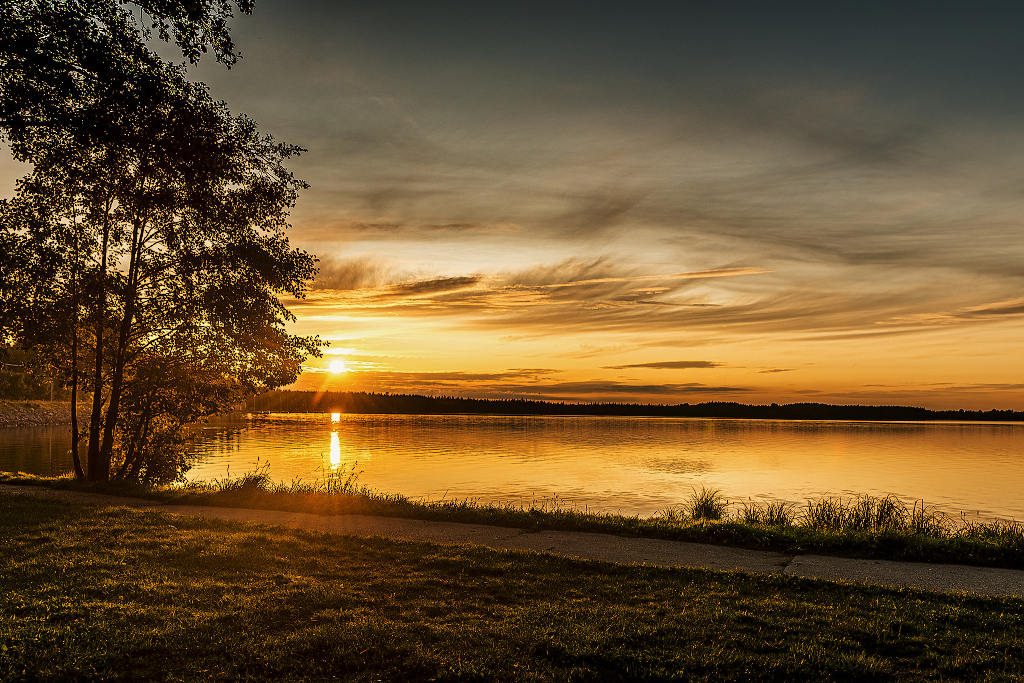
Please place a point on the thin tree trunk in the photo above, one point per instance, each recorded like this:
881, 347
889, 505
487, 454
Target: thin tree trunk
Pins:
133, 474
117, 381
95, 471
79, 474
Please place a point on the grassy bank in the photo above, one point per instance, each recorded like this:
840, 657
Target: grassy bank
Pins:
863, 527
115, 594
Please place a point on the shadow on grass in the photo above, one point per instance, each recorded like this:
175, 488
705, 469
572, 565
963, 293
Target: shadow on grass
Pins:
116, 594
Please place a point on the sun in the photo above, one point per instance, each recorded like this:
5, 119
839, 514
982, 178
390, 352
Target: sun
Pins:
337, 367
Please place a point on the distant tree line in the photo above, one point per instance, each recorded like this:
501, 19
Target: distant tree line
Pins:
362, 402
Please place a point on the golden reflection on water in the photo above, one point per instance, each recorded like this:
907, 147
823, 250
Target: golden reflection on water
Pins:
335, 450
634, 465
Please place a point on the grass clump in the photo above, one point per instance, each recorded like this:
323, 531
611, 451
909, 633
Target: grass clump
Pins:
343, 481
774, 514
115, 594
706, 504
866, 513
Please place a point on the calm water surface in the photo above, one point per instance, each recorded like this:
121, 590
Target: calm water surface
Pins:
632, 465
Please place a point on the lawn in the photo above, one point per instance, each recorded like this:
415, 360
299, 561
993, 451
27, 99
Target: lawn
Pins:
116, 594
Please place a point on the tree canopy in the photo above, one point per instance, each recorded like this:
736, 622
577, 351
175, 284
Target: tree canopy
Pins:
80, 65
148, 246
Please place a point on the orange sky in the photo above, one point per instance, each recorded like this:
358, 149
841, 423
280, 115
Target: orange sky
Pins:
665, 205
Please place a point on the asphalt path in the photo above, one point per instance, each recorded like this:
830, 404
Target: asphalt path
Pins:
618, 549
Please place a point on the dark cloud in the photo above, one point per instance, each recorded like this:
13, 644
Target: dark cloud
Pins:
994, 310
596, 211
449, 378
667, 365
613, 388
772, 370
435, 286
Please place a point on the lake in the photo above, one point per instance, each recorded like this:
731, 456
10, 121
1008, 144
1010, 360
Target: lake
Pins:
632, 465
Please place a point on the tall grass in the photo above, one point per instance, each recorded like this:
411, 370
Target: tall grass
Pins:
343, 481
864, 526
832, 517
880, 515
888, 514
706, 504
776, 514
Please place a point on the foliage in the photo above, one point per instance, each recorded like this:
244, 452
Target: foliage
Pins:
149, 239
78, 66
23, 376
866, 513
183, 598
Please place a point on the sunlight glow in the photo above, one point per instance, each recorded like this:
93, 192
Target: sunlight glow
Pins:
337, 367
335, 451
335, 417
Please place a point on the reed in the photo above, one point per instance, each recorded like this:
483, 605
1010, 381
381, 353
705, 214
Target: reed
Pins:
706, 504
775, 514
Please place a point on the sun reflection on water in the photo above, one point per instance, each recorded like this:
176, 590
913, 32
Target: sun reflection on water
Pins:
335, 451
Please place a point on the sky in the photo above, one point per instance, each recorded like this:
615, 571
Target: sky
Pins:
652, 202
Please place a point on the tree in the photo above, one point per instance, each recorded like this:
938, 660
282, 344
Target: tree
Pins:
57, 57
150, 236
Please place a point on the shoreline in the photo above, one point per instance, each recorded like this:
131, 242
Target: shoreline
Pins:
38, 413
581, 545
893, 533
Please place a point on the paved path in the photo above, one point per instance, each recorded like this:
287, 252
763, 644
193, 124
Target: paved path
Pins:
620, 549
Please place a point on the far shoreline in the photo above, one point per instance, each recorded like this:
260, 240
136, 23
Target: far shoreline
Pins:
288, 401
38, 413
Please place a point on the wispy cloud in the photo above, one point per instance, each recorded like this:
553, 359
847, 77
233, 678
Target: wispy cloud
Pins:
667, 365
695, 275
430, 287
568, 299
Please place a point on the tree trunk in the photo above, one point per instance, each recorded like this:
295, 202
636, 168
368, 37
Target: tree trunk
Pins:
96, 473
120, 357
79, 474
133, 445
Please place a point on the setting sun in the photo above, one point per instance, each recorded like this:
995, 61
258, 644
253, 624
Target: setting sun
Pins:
337, 367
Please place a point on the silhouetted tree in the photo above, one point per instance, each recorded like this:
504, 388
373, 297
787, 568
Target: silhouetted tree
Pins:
150, 236
73, 64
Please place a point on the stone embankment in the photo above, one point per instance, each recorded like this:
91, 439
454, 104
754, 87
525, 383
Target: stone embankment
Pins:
37, 413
